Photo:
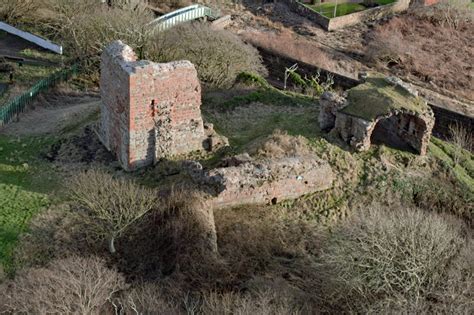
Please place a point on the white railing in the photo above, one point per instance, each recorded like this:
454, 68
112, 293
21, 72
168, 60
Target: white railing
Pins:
46, 44
190, 13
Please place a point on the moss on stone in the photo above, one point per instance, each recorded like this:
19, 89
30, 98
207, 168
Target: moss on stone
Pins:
377, 97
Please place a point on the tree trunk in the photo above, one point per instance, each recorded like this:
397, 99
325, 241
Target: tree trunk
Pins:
112, 245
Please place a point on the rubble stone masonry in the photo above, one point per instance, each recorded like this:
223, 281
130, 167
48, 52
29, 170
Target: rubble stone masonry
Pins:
262, 181
149, 110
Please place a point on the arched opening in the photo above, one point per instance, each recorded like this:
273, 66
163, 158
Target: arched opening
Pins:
402, 132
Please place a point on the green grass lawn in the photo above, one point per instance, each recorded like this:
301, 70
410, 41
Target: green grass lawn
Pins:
25, 181
384, 2
327, 9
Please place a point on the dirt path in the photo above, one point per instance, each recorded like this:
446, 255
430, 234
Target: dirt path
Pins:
54, 115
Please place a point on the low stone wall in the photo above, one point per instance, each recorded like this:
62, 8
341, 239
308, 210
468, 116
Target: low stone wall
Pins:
302, 9
263, 181
276, 64
349, 19
446, 118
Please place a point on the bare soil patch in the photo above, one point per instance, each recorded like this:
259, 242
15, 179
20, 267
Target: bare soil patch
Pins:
53, 114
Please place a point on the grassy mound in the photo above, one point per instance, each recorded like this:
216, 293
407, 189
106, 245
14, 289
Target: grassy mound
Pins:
377, 97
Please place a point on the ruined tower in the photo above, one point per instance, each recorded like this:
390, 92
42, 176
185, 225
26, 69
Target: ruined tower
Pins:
149, 110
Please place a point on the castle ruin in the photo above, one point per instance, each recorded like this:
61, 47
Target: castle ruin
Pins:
380, 110
149, 110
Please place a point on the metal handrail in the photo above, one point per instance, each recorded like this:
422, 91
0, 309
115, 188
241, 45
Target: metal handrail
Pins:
183, 15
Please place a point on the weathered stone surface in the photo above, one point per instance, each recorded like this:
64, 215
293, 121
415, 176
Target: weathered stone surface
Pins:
150, 111
262, 181
408, 87
329, 103
398, 127
214, 141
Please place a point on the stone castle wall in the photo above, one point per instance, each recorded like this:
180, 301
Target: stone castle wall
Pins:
149, 110
262, 181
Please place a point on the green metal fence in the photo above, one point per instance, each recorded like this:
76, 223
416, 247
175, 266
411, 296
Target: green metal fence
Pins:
18, 105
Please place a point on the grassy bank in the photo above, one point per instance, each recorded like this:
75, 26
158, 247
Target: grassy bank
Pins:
25, 184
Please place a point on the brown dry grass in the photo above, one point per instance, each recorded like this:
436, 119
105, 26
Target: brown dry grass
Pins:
286, 43
414, 46
280, 144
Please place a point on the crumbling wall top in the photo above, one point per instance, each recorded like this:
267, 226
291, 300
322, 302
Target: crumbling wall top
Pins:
124, 56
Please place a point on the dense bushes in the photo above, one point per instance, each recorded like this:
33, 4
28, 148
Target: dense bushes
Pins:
441, 32
16, 11
73, 285
389, 258
86, 27
218, 55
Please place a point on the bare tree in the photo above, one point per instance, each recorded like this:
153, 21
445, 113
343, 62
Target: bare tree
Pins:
111, 204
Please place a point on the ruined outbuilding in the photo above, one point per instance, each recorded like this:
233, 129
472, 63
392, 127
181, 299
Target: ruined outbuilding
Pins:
380, 110
150, 110
261, 179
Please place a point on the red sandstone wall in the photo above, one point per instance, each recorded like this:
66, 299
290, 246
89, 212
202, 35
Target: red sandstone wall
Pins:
115, 95
292, 187
149, 110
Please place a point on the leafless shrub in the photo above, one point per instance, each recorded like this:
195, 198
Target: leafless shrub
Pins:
86, 27
386, 48
387, 257
406, 45
73, 285
16, 11
147, 298
218, 55
179, 237
450, 13
112, 204
462, 140
455, 293
261, 303
191, 221
260, 242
